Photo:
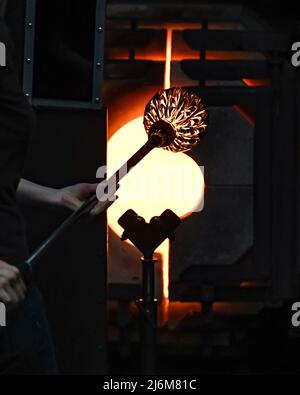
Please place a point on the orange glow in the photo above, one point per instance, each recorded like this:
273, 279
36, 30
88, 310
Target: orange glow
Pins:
164, 179
165, 254
168, 59
246, 113
262, 82
127, 135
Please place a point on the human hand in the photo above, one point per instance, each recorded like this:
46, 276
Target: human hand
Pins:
12, 287
74, 196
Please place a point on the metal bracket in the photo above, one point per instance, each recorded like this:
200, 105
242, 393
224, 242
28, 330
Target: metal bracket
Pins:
96, 101
29, 48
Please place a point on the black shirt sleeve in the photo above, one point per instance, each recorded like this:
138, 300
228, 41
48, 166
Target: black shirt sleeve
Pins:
16, 124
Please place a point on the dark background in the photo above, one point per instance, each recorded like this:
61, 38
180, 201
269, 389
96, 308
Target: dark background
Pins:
263, 343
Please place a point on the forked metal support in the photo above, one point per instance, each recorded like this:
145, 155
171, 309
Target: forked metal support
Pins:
147, 237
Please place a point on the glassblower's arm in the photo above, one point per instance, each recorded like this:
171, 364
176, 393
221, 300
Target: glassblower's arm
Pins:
175, 119
26, 267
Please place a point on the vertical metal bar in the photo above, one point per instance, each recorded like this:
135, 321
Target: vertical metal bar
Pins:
284, 276
262, 185
275, 80
99, 52
203, 51
148, 280
297, 128
29, 43
149, 317
133, 27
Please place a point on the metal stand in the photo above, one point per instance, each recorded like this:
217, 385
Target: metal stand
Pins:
147, 237
148, 308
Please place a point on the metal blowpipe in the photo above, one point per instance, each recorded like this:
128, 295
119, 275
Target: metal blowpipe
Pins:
175, 119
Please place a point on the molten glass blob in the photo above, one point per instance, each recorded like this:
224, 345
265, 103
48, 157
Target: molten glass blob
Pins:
163, 180
178, 116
